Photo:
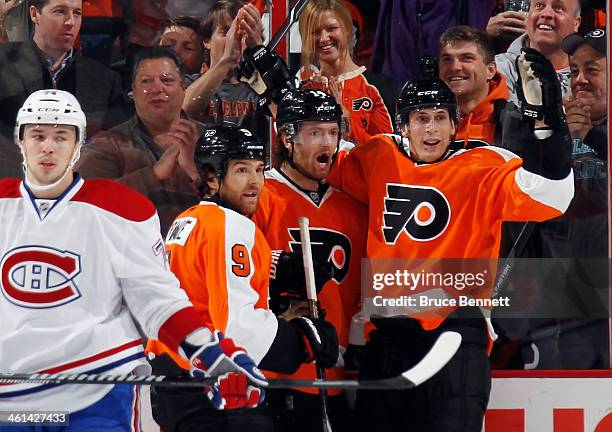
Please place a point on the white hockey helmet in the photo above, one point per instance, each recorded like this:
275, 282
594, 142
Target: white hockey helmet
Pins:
51, 107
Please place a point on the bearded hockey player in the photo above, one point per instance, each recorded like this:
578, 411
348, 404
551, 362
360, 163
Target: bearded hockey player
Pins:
223, 262
427, 202
79, 260
309, 128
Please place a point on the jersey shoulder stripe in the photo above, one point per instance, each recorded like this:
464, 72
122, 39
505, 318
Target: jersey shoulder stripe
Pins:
9, 188
504, 153
116, 198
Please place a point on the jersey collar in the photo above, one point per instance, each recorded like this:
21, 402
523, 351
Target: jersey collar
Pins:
60, 201
317, 197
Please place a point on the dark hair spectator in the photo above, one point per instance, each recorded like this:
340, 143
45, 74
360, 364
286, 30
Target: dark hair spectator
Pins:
49, 61
156, 52
217, 96
408, 32
221, 14
469, 34
154, 151
183, 35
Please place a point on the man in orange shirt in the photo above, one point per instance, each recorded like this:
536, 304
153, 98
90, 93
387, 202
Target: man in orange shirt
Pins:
309, 128
467, 65
223, 262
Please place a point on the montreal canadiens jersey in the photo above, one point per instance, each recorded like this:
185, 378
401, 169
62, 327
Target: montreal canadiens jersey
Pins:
223, 262
68, 276
450, 209
368, 114
337, 233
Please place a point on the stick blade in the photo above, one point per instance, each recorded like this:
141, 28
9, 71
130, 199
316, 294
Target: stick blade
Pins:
438, 356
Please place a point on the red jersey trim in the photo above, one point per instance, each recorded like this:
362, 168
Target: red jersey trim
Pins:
552, 373
90, 359
116, 198
9, 188
93, 358
178, 326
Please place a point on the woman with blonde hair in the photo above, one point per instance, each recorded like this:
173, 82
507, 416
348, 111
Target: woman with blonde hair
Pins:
326, 29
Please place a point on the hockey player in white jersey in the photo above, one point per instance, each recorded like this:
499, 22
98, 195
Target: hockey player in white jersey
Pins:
78, 259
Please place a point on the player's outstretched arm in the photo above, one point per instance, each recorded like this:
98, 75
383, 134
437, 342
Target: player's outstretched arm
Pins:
539, 92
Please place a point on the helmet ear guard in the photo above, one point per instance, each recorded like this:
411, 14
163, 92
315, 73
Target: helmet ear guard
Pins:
291, 130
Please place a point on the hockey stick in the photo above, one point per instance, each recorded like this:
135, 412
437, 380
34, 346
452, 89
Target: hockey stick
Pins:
311, 294
245, 70
292, 17
510, 260
438, 356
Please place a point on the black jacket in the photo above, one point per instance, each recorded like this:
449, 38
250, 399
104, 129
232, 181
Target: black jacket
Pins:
97, 88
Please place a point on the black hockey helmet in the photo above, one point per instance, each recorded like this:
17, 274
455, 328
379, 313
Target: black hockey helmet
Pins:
221, 143
306, 105
424, 93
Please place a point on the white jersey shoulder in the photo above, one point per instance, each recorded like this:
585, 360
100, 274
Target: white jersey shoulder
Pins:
67, 281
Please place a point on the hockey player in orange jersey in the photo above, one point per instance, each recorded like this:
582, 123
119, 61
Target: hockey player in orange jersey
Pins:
310, 123
467, 194
223, 262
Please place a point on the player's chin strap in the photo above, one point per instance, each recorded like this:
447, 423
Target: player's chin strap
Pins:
35, 187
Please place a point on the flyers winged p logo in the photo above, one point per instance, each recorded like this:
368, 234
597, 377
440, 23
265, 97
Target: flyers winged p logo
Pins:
364, 103
327, 245
422, 212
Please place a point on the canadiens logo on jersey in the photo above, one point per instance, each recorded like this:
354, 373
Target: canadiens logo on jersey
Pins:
327, 245
423, 213
364, 103
39, 276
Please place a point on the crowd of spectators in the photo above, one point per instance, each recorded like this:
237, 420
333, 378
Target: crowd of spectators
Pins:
151, 74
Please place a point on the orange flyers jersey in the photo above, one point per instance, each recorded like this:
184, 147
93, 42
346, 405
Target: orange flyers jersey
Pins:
449, 209
337, 232
223, 262
368, 114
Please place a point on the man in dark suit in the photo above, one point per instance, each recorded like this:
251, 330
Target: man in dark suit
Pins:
50, 60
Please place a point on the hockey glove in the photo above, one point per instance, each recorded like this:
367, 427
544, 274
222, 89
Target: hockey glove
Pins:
266, 73
320, 339
287, 278
236, 372
539, 90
